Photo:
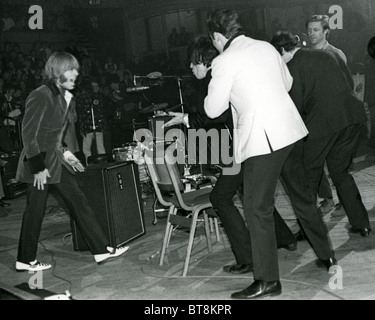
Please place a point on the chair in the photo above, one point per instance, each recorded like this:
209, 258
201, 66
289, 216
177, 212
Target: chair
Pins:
166, 178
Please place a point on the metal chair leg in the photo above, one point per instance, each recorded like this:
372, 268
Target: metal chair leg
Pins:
154, 211
171, 227
168, 231
211, 224
208, 231
193, 226
217, 230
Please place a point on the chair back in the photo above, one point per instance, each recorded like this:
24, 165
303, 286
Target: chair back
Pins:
174, 175
160, 176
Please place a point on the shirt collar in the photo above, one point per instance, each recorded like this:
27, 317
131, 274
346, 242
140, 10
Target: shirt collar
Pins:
55, 90
231, 40
67, 95
326, 45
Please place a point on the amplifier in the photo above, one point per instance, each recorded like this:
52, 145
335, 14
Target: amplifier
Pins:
114, 193
12, 187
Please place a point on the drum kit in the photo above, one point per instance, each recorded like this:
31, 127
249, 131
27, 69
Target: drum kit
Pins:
154, 108
157, 116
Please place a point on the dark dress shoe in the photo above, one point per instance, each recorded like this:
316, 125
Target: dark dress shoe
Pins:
364, 232
326, 263
300, 236
259, 289
238, 268
4, 204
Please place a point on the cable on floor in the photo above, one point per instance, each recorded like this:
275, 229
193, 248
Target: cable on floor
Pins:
54, 264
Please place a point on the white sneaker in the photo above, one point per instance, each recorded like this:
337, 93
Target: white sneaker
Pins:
33, 266
113, 253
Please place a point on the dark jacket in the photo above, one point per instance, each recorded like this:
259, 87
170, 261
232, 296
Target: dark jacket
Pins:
43, 127
323, 92
199, 119
223, 123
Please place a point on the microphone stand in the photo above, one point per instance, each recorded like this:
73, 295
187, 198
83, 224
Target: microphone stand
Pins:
94, 129
179, 81
19, 133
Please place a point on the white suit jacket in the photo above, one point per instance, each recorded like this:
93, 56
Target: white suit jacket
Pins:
251, 75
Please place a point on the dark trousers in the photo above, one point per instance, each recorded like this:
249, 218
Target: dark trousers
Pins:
260, 178
296, 184
80, 210
324, 188
234, 224
338, 150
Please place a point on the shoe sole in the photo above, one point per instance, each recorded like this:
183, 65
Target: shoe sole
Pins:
272, 294
17, 270
111, 258
236, 273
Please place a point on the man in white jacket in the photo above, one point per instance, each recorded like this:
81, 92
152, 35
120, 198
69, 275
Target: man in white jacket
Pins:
251, 75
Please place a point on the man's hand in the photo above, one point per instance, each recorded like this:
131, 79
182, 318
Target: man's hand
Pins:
178, 119
40, 179
72, 160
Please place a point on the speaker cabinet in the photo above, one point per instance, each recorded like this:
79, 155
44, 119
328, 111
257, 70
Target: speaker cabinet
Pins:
12, 187
114, 193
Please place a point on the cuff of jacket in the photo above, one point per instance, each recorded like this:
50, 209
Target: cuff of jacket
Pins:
36, 163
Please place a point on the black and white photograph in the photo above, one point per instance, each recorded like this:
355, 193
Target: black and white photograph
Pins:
187, 156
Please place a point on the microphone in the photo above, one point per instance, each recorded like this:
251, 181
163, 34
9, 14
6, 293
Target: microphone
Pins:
137, 89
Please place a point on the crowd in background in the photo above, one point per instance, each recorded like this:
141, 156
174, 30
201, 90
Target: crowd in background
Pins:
23, 71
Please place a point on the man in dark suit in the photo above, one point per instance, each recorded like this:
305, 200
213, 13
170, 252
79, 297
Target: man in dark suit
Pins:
323, 92
44, 163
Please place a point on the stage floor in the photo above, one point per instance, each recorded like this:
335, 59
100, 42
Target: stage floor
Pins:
138, 276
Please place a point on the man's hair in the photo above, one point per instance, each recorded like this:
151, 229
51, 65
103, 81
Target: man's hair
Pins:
286, 40
371, 47
201, 50
224, 21
323, 19
58, 63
